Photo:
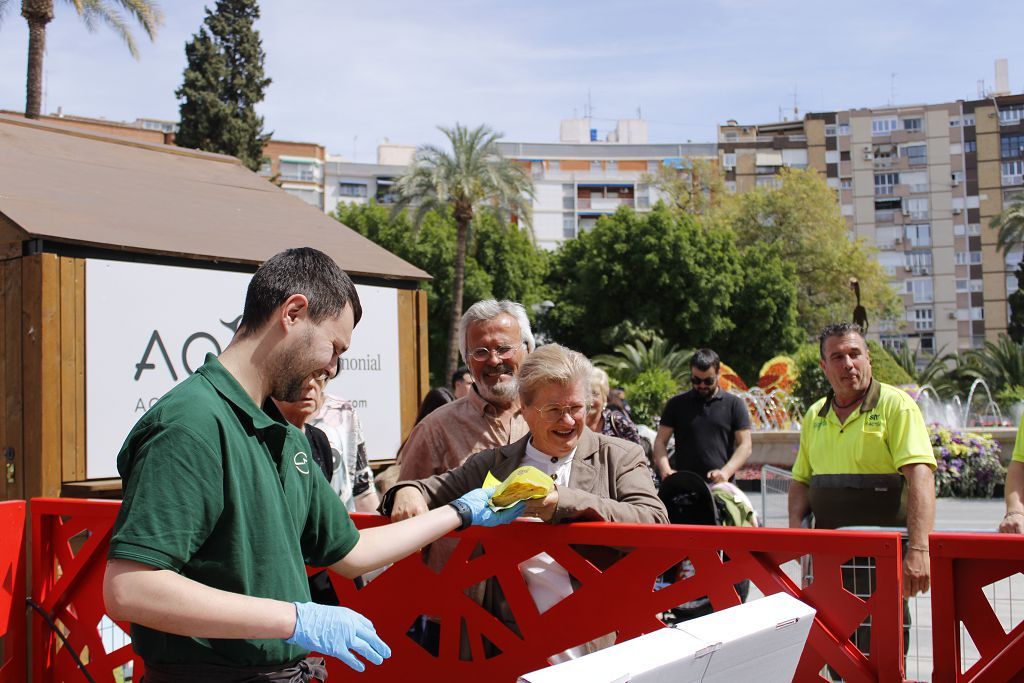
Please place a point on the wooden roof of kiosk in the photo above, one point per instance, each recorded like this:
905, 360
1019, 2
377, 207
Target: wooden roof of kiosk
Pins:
94, 190
69, 194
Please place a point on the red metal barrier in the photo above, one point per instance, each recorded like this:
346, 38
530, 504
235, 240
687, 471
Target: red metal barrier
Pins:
69, 555
12, 592
620, 599
962, 565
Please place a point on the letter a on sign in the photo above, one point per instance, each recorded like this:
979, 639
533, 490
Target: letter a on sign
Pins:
143, 364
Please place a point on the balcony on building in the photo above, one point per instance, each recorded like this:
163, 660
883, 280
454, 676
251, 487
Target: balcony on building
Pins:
604, 198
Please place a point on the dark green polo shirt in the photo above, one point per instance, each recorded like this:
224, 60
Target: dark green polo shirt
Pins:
227, 495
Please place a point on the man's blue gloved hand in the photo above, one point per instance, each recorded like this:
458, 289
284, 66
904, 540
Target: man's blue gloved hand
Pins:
337, 631
483, 515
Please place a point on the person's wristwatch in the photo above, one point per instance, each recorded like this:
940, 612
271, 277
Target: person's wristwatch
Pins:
464, 512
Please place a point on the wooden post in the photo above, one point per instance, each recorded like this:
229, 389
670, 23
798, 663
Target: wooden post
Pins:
11, 450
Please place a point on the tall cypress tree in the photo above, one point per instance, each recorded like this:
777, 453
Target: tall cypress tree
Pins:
222, 84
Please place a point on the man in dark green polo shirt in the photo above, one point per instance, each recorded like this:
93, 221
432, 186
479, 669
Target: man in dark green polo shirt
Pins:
223, 505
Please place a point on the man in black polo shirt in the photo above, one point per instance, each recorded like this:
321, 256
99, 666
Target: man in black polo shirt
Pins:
711, 426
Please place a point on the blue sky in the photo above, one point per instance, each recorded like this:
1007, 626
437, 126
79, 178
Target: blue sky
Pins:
348, 75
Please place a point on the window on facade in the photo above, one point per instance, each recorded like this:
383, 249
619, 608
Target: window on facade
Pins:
916, 181
292, 170
916, 154
830, 130
568, 226
1011, 146
893, 342
961, 285
914, 124
954, 121
729, 160
968, 119
977, 312
351, 189
970, 146
956, 177
884, 126
265, 168
974, 229
1013, 172
843, 129
919, 235
1011, 114
927, 344
846, 184
921, 289
887, 236
923, 318
732, 137
595, 166
730, 185
918, 262
569, 203
769, 181
916, 208
885, 183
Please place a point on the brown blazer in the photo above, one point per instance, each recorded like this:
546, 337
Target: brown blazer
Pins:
609, 481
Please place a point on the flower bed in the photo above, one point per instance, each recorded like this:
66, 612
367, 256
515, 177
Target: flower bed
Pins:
967, 463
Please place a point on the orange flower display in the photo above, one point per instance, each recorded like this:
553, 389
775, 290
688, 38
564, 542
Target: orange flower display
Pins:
778, 373
728, 379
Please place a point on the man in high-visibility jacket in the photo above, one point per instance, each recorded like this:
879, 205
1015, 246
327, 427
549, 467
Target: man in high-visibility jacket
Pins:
865, 458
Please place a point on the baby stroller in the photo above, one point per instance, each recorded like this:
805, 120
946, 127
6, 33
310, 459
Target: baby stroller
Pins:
689, 500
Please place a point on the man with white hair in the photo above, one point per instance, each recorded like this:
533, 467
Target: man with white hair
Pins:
494, 337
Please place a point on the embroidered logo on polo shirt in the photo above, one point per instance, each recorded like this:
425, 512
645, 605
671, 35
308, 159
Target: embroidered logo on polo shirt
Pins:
301, 461
873, 420
820, 422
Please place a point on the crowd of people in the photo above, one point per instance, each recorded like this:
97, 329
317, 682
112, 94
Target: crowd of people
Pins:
234, 437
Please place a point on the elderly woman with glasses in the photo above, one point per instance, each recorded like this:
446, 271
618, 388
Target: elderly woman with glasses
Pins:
597, 478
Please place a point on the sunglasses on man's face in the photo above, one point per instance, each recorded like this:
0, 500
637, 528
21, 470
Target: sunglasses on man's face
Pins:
706, 381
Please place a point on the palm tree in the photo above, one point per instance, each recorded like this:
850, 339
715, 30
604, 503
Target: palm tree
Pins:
1010, 224
933, 372
1000, 364
39, 13
472, 177
630, 360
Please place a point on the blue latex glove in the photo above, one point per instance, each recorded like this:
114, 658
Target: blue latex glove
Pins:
483, 515
337, 631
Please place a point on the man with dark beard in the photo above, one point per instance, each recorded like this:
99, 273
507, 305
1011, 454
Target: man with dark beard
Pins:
223, 504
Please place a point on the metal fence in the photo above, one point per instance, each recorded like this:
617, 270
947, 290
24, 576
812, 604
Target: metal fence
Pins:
1006, 596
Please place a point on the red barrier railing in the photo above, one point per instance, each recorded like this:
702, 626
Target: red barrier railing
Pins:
69, 555
962, 565
70, 538
12, 592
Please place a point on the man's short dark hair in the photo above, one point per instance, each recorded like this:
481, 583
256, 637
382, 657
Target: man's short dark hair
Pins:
705, 359
459, 374
305, 271
838, 330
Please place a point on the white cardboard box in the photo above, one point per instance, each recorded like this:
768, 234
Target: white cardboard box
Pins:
761, 640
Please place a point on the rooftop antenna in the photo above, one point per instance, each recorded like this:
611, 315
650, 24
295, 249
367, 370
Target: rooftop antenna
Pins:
981, 88
796, 109
639, 114
590, 105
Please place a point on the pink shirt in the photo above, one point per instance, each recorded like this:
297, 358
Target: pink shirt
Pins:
452, 433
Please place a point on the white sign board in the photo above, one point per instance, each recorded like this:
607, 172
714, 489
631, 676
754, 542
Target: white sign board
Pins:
147, 327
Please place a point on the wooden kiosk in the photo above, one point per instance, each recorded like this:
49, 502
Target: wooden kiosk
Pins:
123, 263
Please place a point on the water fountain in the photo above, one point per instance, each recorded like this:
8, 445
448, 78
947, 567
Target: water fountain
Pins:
775, 410
959, 413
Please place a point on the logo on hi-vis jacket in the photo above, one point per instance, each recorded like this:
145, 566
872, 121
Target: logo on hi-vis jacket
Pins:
873, 420
301, 461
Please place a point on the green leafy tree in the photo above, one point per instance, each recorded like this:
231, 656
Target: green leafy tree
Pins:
800, 220
470, 179
39, 13
502, 262
648, 393
631, 360
666, 276
695, 187
223, 83
933, 371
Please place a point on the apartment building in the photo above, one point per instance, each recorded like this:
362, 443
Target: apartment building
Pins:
583, 177
920, 183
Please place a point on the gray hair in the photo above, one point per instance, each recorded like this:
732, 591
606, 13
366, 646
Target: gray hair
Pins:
553, 364
600, 383
489, 309
840, 329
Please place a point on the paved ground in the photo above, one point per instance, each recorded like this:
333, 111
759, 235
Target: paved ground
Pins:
951, 515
